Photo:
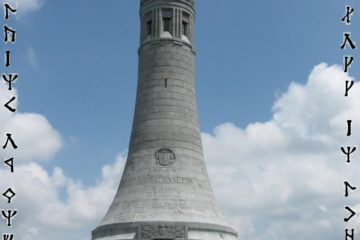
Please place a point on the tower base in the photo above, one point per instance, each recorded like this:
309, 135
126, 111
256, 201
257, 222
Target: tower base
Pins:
163, 231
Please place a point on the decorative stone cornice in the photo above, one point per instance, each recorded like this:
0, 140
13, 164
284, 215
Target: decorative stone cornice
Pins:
192, 2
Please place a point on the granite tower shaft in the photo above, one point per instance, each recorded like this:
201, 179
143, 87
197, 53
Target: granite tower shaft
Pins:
165, 191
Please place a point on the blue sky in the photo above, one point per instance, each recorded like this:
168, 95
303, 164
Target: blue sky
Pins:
78, 66
86, 53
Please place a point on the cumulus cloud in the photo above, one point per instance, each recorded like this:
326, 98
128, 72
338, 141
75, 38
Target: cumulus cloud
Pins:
25, 6
283, 179
33, 134
37, 141
51, 204
280, 179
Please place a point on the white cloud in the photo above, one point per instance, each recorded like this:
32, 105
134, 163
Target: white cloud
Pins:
43, 210
280, 179
36, 139
25, 6
283, 179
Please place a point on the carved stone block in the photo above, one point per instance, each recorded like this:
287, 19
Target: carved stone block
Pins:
163, 232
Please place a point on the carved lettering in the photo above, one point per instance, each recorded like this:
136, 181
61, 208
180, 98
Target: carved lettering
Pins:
164, 180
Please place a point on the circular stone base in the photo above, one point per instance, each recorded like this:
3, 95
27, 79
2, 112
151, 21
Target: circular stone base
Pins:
163, 231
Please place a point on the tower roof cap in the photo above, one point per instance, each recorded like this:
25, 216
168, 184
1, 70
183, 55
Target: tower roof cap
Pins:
192, 2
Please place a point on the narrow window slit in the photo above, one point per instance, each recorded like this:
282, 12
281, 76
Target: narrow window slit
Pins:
166, 82
149, 27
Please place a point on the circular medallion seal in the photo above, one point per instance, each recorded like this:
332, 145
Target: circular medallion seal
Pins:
164, 157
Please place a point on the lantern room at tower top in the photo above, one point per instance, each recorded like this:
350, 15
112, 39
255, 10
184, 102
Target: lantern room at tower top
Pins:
167, 20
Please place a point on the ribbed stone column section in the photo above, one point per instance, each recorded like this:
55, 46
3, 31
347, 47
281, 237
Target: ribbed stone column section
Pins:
165, 191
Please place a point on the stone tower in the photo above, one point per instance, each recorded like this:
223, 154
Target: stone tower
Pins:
165, 193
